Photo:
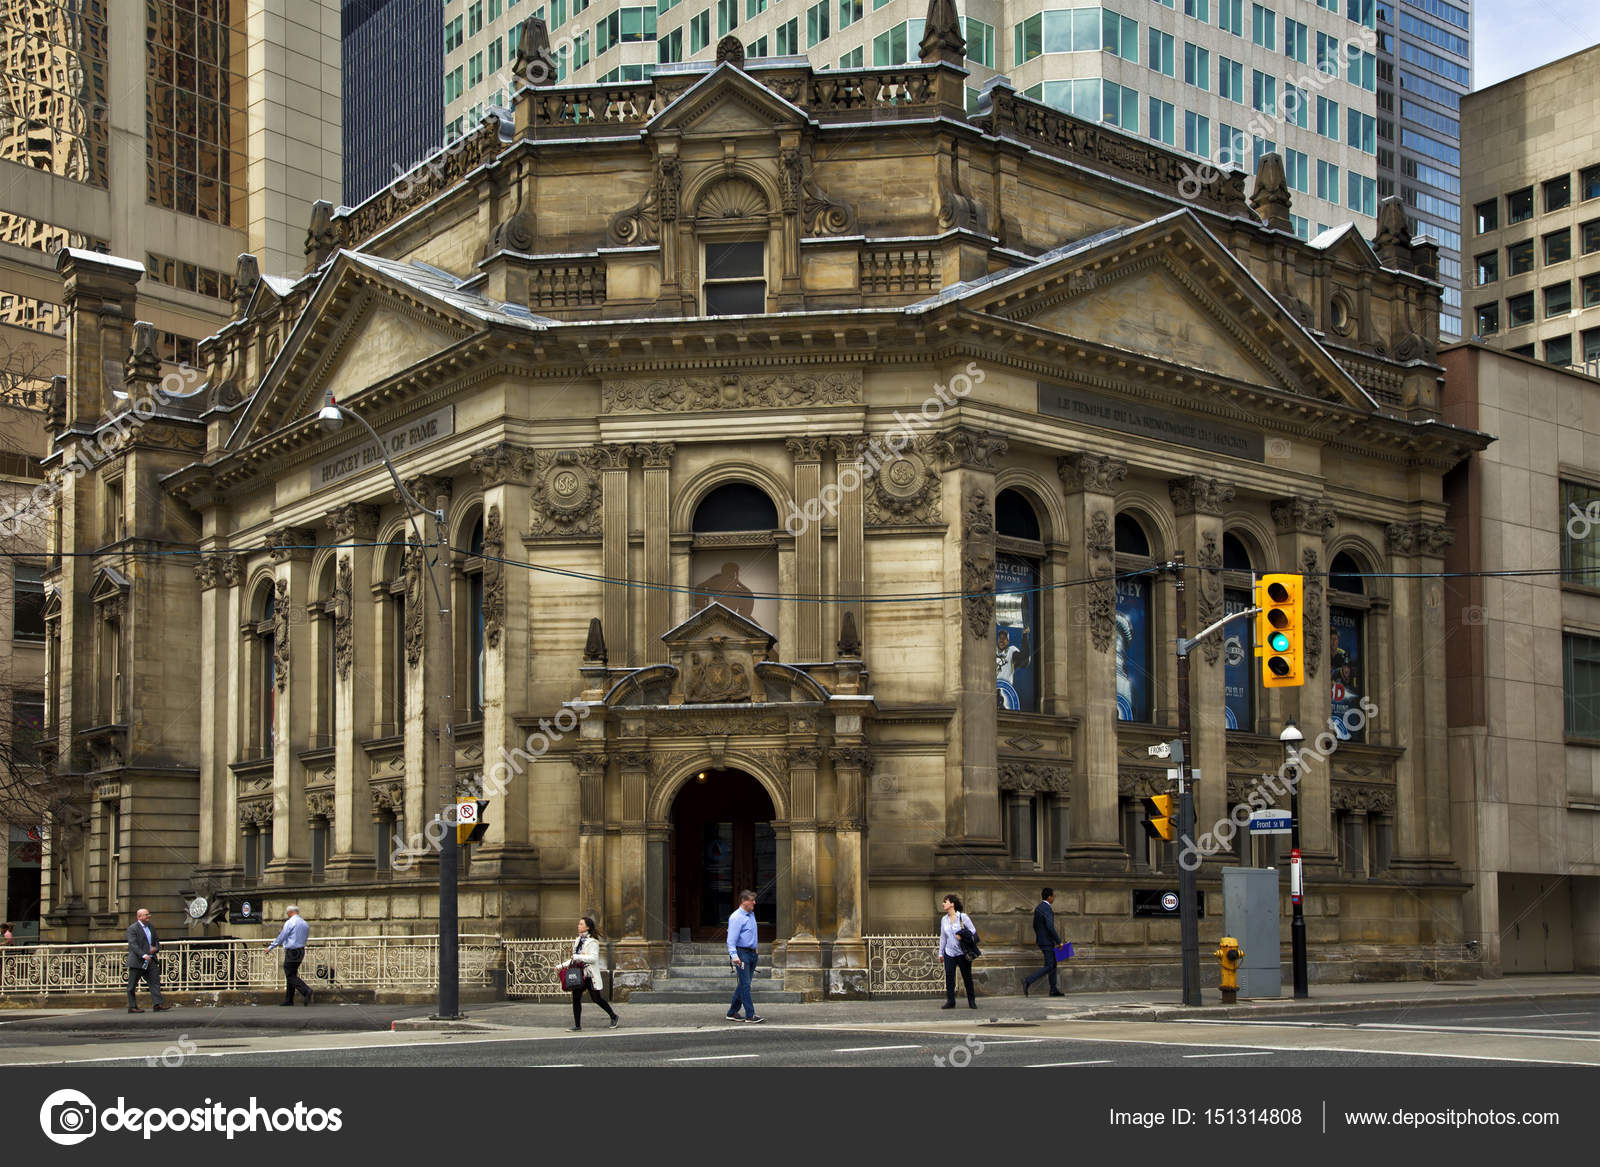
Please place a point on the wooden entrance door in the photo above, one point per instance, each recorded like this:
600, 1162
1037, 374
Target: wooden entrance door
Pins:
722, 843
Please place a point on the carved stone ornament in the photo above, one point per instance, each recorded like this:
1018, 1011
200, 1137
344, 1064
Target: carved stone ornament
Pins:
232, 569
654, 455
731, 50
791, 170
1400, 538
857, 758
280, 636
501, 463
1271, 199
640, 224
941, 38
288, 543
1091, 473
973, 449
1419, 538
219, 567
806, 449
343, 592
977, 564
389, 797
1310, 566
1361, 796
413, 567
1303, 515
904, 491
1033, 777
494, 577
848, 646
594, 647
431, 490
319, 804
517, 232
719, 725
669, 184
566, 492
1142, 782
1198, 495
256, 813
711, 677
1210, 561
731, 391
353, 521
1100, 541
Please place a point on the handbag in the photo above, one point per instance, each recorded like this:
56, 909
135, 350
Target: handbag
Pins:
1064, 950
572, 978
969, 943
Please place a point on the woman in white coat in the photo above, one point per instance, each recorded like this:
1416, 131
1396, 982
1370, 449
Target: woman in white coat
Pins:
586, 955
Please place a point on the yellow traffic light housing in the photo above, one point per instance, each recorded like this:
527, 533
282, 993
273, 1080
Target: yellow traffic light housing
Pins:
1280, 631
1161, 816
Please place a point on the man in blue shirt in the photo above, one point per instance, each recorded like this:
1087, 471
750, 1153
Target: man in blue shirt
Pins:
293, 940
141, 962
742, 952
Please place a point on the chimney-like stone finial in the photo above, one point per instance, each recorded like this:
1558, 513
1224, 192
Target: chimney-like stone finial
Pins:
1270, 199
535, 64
941, 37
322, 236
1393, 239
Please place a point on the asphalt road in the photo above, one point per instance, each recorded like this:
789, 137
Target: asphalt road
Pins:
1565, 1032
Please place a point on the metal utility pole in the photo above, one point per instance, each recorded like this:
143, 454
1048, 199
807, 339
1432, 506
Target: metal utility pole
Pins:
1291, 737
1188, 915
449, 850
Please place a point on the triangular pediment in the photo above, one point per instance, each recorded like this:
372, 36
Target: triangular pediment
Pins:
726, 101
1345, 244
1171, 293
716, 623
358, 330
108, 583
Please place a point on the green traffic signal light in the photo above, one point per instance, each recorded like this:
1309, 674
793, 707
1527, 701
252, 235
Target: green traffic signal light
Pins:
1278, 642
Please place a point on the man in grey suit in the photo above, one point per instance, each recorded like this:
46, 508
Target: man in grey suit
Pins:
143, 947
1044, 934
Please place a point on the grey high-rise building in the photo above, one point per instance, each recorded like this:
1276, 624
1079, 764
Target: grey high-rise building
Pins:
1424, 69
393, 99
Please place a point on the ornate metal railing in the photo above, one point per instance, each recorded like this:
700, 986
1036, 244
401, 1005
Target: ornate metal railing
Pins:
531, 967
198, 966
903, 964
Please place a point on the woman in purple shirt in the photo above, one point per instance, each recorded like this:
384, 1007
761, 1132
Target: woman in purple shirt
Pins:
950, 951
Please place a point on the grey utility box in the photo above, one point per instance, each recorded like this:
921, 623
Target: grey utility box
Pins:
1250, 916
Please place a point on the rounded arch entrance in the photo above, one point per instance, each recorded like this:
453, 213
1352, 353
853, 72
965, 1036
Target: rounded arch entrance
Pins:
722, 839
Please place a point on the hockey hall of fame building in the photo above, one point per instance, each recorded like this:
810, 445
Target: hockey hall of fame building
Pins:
810, 447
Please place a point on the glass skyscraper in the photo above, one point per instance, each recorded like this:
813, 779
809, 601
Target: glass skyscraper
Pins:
393, 100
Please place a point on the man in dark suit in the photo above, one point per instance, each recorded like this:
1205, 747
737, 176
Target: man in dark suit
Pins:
143, 946
1044, 934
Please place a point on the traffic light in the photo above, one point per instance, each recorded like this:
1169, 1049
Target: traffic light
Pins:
1280, 631
1161, 813
470, 826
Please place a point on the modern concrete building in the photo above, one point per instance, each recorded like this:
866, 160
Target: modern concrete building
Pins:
1524, 656
1531, 211
1223, 80
178, 132
737, 597
393, 111
1424, 70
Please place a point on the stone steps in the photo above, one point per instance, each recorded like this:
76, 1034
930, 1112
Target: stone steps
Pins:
701, 974
761, 996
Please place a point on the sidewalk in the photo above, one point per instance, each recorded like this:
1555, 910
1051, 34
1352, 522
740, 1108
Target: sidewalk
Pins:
1141, 1005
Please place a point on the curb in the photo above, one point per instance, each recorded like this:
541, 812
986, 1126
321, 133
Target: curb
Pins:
432, 1025
1271, 1008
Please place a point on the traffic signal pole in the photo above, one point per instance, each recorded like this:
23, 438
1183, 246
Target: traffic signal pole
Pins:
1188, 915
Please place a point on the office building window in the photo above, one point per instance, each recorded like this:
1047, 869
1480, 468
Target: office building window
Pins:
1591, 345
1488, 268
1198, 9
194, 109
1296, 106
1230, 16
1328, 54
1581, 676
849, 12
852, 59
1558, 193
700, 31
1519, 205
1120, 35
1558, 350
1163, 121
1589, 236
1519, 310
1230, 79
1297, 169
1558, 299
1120, 106
728, 16
1263, 27
1197, 67
1328, 118
817, 23
1263, 93
1589, 183
1362, 194
1489, 318
980, 42
1161, 52
1296, 40
1558, 246
1591, 291
787, 38
1361, 131
1197, 134
1327, 181
1487, 215
1519, 258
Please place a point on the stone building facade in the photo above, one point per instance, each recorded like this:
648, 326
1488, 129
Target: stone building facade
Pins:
810, 453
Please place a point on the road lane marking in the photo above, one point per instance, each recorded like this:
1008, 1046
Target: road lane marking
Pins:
714, 1058
1052, 1065
871, 1049
1245, 1053
1529, 1016
1492, 1030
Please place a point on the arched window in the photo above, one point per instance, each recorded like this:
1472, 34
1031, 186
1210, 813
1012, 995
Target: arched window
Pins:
392, 598
264, 669
1019, 552
1239, 644
731, 221
474, 655
1133, 640
327, 691
734, 560
1347, 621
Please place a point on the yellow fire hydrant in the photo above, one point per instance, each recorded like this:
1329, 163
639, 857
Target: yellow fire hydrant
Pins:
1229, 955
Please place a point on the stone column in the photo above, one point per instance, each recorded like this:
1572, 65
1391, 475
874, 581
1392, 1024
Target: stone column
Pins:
632, 949
803, 969
428, 671
291, 837
1416, 695
215, 661
1199, 503
807, 454
972, 792
1090, 482
355, 653
613, 464
1303, 523
657, 458
849, 477
590, 763
851, 766
231, 570
507, 645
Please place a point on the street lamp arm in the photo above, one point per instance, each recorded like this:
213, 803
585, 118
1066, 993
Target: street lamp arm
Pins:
1186, 644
